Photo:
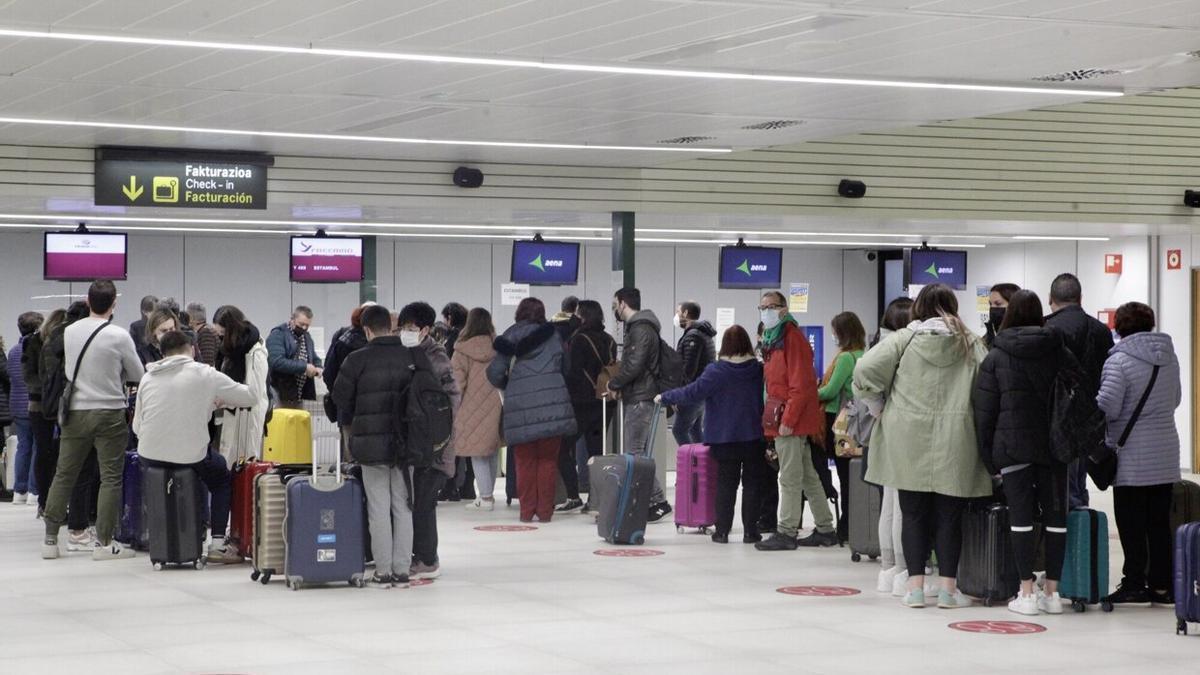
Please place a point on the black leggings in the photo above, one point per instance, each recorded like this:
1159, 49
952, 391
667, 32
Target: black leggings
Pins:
1025, 491
45, 463
745, 463
931, 517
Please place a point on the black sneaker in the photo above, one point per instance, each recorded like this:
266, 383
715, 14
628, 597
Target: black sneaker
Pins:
819, 539
751, 538
658, 512
569, 506
400, 580
719, 538
1129, 596
1161, 598
777, 542
379, 582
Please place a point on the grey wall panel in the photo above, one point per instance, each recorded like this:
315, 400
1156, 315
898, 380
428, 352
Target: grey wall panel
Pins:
385, 271
156, 267
860, 289
21, 285
440, 272
249, 272
655, 267
331, 305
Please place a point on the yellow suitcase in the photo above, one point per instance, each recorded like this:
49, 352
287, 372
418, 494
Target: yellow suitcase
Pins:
289, 437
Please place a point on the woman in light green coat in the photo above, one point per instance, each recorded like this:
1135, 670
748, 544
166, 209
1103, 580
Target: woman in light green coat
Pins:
924, 443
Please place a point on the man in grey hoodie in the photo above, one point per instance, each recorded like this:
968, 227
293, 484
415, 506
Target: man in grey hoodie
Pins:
414, 325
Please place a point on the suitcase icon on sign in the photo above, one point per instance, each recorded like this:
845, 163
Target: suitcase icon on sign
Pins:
166, 189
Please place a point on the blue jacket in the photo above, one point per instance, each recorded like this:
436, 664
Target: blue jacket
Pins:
1151, 455
18, 396
733, 401
282, 348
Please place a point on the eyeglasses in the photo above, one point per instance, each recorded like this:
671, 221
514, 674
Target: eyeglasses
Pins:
763, 308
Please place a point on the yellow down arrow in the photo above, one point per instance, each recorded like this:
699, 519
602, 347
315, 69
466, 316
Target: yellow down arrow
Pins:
133, 191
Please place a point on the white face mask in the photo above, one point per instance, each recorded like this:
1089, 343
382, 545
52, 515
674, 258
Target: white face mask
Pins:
770, 318
410, 338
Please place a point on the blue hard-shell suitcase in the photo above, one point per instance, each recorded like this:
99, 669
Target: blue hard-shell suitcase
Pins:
132, 530
1187, 576
324, 530
1084, 578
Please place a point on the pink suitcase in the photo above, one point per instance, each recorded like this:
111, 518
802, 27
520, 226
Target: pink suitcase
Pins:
695, 488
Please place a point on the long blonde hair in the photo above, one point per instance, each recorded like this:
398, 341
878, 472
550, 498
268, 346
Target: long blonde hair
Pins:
939, 301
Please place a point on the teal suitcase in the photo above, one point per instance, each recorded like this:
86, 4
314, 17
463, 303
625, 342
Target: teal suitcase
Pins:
1085, 568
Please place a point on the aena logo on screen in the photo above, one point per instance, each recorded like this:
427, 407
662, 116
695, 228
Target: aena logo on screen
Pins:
541, 264
937, 272
748, 269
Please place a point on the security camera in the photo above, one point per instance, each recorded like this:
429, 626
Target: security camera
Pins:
871, 256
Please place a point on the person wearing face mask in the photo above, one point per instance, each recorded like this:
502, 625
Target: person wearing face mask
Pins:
637, 382
998, 299
795, 414
414, 326
698, 351
292, 359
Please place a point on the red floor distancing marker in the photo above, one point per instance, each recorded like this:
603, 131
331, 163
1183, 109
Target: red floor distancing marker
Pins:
999, 627
420, 582
505, 528
629, 552
819, 591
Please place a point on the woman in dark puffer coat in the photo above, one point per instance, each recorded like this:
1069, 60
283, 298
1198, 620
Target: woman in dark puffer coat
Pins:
1012, 399
529, 368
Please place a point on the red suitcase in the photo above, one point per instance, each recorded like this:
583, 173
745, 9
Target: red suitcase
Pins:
695, 487
241, 508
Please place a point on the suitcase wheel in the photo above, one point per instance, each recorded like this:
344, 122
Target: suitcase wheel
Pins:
855, 557
199, 564
1181, 627
357, 582
254, 575
158, 567
266, 578
987, 602
874, 558
1106, 605
679, 529
1079, 606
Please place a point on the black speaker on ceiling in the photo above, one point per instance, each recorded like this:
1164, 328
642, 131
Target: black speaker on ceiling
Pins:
852, 189
467, 177
1191, 198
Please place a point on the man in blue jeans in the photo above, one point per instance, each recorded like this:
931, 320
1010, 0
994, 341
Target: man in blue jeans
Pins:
25, 489
697, 349
176, 398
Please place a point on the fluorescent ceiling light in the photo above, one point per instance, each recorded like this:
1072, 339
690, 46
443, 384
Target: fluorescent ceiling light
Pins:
855, 244
92, 124
795, 233
307, 224
1032, 237
549, 65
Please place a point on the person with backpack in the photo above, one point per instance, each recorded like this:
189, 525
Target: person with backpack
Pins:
437, 453
731, 392
1143, 365
592, 355
924, 444
529, 368
477, 424
792, 414
1013, 403
639, 380
835, 391
698, 351
369, 390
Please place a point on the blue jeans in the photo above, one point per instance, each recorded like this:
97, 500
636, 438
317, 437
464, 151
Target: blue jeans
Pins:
23, 463
688, 427
1077, 482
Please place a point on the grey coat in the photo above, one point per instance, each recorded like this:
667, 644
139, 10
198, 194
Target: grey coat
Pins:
1151, 455
528, 368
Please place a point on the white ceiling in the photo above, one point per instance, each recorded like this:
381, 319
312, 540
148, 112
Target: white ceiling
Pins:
990, 41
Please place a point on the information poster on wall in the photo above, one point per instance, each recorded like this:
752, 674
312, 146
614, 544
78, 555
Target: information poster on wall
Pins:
725, 319
511, 295
983, 296
816, 340
798, 298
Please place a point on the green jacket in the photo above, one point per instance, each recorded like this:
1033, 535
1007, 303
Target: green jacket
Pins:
837, 390
925, 438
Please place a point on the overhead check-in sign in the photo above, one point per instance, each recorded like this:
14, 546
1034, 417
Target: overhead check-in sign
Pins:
181, 179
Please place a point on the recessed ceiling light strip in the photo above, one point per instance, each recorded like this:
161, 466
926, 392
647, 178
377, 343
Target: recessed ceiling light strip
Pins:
549, 65
347, 138
1032, 237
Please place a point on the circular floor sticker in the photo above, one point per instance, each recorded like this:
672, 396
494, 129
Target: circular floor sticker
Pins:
819, 591
420, 582
505, 528
628, 552
999, 627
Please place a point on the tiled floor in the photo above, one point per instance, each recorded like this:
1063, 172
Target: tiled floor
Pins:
535, 602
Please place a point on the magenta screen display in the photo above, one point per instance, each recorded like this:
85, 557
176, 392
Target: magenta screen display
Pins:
326, 259
84, 256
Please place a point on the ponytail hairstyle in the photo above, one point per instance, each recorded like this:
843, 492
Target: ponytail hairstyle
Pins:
938, 301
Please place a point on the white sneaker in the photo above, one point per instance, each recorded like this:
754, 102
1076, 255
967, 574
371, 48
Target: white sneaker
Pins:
114, 551
82, 541
1025, 604
1050, 604
31, 499
19, 498
887, 579
50, 547
900, 584
222, 553
482, 505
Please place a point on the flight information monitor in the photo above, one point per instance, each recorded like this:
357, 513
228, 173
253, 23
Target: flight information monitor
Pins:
84, 256
326, 259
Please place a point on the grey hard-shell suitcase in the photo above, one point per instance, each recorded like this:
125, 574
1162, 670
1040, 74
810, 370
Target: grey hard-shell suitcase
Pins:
866, 502
621, 488
267, 554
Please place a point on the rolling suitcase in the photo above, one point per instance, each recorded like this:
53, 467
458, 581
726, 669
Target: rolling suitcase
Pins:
289, 437
987, 568
174, 516
1185, 504
866, 501
241, 505
621, 489
695, 488
323, 529
1084, 578
131, 530
1187, 577
266, 554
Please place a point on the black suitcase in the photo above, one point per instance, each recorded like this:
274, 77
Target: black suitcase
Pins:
174, 512
866, 501
987, 568
621, 488
1185, 504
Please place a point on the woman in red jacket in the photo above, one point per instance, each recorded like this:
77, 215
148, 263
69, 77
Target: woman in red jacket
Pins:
793, 413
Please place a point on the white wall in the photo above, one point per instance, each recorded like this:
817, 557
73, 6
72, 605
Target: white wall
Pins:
1175, 319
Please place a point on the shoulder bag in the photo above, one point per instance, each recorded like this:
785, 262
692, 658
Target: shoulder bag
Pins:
608, 370
64, 405
1102, 460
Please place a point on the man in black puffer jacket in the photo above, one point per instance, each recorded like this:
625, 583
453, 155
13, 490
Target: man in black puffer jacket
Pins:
366, 393
1089, 340
697, 350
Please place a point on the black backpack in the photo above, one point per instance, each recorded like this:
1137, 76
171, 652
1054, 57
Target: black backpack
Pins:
670, 367
1077, 424
426, 415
